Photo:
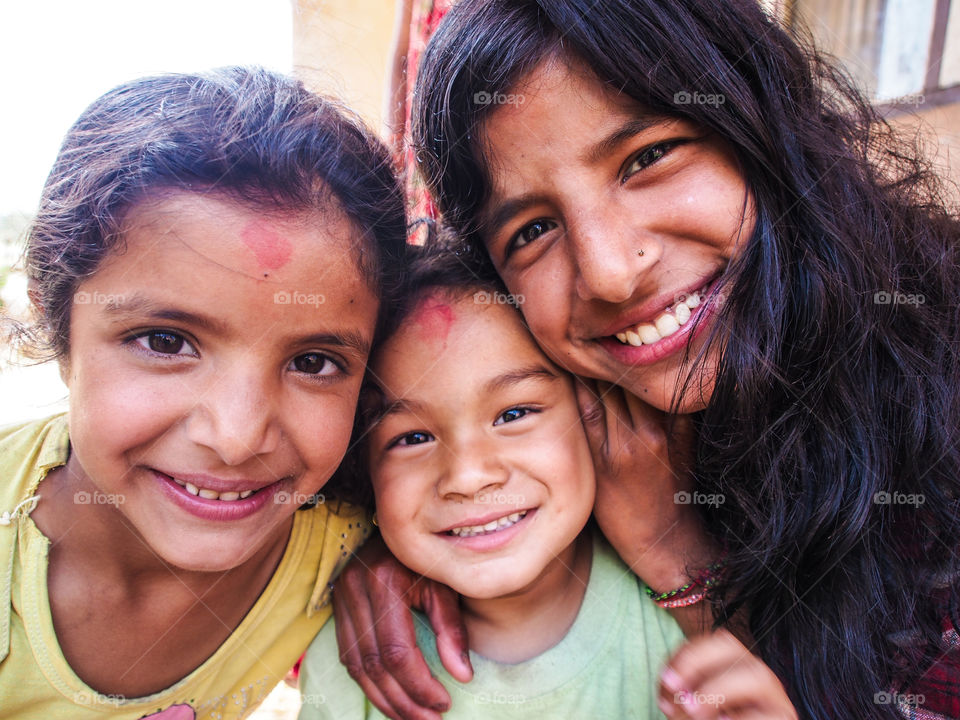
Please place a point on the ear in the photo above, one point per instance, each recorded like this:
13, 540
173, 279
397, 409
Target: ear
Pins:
33, 293
36, 302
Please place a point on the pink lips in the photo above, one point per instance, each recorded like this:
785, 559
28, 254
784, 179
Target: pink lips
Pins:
491, 541
652, 354
216, 510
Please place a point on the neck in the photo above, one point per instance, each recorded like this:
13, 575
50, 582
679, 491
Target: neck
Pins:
519, 626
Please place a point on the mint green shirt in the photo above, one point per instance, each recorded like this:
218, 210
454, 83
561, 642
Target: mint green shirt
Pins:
605, 667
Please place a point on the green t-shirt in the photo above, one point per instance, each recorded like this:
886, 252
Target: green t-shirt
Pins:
605, 667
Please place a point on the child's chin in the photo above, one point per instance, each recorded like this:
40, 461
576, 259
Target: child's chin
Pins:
203, 559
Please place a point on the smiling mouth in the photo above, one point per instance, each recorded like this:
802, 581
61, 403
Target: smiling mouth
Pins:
666, 323
490, 527
208, 494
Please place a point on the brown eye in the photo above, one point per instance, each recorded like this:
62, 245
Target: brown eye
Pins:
314, 364
165, 342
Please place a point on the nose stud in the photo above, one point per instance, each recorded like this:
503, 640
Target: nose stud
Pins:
640, 253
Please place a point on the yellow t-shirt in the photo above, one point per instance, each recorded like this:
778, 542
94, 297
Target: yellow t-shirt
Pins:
37, 682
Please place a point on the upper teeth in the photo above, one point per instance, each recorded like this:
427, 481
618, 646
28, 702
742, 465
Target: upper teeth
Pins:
492, 526
665, 324
213, 494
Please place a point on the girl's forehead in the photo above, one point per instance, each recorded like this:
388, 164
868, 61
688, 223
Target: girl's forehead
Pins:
235, 237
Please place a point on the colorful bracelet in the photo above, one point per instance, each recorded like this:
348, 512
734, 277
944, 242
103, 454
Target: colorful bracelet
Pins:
688, 594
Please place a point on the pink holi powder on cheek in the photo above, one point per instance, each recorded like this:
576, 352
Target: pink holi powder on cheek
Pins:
433, 320
271, 249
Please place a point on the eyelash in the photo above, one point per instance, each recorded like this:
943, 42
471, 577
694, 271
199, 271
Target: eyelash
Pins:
142, 340
148, 334
398, 441
520, 408
663, 148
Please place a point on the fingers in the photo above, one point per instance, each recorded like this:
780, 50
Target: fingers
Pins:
377, 640
443, 610
591, 412
351, 659
716, 676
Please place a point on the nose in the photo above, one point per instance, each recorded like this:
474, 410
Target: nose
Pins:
235, 416
470, 470
611, 253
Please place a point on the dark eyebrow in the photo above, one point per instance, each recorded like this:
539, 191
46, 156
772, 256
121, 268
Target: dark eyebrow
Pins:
507, 211
611, 142
347, 339
138, 304
534, 372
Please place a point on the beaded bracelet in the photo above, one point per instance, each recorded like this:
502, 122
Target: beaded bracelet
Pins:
686, 594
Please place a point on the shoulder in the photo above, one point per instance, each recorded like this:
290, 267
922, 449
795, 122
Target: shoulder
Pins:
27, 450
326, 689
336, 530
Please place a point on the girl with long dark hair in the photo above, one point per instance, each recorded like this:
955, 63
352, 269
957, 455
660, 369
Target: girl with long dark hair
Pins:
707, 218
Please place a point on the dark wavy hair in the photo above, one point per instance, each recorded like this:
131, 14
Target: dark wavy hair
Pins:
832, 428
247, 134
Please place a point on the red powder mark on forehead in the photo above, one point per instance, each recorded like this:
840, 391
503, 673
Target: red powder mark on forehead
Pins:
272, 249
434, 318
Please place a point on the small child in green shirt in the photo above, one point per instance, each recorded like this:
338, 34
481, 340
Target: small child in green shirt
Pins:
484, 481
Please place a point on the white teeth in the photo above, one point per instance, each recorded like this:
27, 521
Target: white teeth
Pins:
648, 333
208, 494
665, 324
492, 526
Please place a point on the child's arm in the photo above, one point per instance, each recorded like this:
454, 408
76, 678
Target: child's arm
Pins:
326, 691
382, 656
715, 676
643, 494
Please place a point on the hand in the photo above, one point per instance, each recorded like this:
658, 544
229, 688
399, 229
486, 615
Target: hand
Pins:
716, 676
637, 490
378, 646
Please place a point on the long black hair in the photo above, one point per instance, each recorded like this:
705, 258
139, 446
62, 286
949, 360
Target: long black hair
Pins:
831, 431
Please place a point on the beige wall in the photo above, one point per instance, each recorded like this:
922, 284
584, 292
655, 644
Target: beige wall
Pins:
341, 47
941, 131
